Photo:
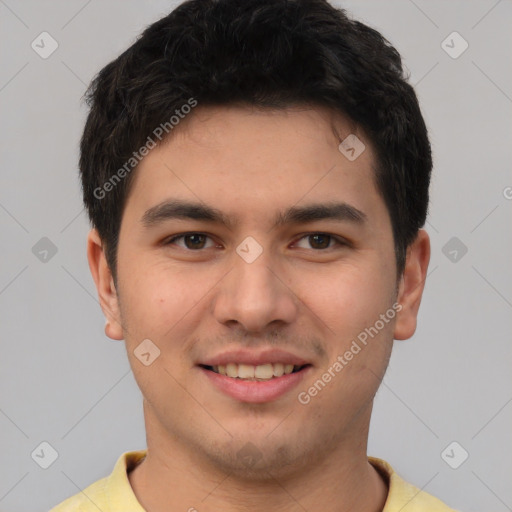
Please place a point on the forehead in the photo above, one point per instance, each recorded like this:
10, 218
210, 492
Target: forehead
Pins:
241, 128
246, 159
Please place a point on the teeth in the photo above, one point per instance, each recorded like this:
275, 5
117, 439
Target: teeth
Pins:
278, 369
246, 371
264, 371
249, 372
232, 370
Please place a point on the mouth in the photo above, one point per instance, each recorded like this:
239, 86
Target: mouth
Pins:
259, 373
256, 384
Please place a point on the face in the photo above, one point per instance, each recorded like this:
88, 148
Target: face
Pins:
251, 247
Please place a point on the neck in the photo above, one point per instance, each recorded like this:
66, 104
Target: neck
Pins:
173, 478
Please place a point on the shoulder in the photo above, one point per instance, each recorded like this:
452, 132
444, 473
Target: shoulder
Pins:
109, 494
405, 496
88, 500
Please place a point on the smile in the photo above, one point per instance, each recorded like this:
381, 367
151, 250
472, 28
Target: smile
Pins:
261, 372
255, 383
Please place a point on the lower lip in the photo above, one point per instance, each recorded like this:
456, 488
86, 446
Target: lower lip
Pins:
254, 391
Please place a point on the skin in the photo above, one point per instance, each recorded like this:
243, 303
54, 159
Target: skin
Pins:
297, 295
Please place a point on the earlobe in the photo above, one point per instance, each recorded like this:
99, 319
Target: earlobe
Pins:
411, 286
107, 292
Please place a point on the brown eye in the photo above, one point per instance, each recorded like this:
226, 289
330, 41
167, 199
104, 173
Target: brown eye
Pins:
319, 241
192, 241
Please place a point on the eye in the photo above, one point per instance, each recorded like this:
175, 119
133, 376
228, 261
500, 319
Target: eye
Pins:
196, 241
193, 241
322, 240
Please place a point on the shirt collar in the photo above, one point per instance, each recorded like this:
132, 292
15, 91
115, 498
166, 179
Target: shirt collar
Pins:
120, 494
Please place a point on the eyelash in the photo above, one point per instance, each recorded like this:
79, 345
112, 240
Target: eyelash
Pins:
339, 241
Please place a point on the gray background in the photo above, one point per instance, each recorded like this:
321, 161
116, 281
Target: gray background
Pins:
64, 382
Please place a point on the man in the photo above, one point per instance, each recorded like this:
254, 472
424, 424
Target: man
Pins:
256, 174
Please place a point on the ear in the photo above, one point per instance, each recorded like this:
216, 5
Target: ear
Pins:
411, 285
107, 292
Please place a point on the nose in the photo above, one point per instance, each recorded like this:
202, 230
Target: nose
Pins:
256, 294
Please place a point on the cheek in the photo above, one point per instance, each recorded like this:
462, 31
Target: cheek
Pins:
347, 299
159, 298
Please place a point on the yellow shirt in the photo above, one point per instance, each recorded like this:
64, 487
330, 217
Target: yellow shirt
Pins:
114, 492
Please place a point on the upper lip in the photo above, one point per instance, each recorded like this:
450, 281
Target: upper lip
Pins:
255, 358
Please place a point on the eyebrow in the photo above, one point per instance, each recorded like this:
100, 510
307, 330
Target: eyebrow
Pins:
181, 209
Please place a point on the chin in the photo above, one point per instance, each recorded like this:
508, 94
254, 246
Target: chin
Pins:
258, 460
